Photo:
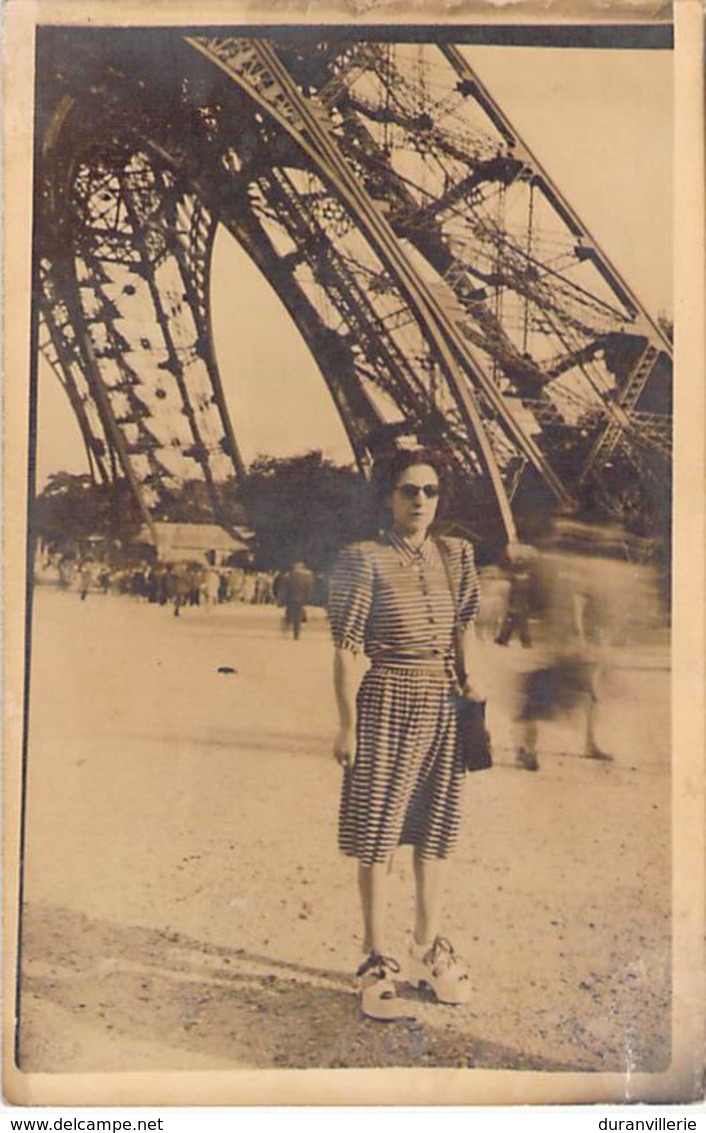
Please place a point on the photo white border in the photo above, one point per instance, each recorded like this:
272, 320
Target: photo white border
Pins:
406, 1087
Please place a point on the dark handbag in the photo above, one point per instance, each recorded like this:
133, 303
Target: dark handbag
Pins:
472, 736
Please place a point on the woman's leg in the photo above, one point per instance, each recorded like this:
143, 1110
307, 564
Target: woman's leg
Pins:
432, 959
429, 876
378, 994
372, 883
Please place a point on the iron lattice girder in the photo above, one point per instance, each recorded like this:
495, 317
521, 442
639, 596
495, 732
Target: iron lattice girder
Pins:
351, 285
467, 363
61, 350
309, 243
359, 416
365, 350
512, 162
132, 222
374, 426
629, 428
553, 307
272, 88
516, 163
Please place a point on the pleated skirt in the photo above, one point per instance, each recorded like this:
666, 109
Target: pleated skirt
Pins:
405, 787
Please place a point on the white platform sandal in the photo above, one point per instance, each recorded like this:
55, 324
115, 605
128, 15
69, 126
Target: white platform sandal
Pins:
437, 967
376, 987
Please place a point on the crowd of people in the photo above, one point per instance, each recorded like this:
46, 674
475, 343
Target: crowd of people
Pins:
176, 585
579, 586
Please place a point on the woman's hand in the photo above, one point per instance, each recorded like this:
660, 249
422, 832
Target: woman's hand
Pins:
345, 683
470, 691
344, 747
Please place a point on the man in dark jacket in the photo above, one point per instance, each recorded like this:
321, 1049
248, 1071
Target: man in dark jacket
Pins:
296, 592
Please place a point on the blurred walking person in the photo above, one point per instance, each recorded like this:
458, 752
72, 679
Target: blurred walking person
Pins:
585, 591
519, 559
85, 579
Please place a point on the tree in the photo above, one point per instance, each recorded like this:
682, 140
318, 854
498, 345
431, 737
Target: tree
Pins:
70, 508
190, 502
304, 507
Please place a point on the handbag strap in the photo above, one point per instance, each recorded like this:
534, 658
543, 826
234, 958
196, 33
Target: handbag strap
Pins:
459, 661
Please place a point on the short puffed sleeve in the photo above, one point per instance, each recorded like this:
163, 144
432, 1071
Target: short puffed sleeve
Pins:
351, 597
469, 591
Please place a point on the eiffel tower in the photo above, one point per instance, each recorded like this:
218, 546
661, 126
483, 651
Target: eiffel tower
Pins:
448, 292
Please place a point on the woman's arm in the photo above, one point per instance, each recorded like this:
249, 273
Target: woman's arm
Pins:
474, 686
345, 672
467, 651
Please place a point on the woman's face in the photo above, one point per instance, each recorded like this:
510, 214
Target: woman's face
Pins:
414, 500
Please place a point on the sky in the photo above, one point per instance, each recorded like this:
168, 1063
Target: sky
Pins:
600, 123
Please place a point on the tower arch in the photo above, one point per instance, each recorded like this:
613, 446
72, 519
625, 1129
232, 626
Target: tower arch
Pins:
447, 291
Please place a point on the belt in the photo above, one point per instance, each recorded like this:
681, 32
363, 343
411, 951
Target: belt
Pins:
422, 663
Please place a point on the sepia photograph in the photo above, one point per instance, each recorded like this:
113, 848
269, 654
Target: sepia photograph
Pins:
344, 734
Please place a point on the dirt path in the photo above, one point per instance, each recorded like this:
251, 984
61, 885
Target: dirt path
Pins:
186, 907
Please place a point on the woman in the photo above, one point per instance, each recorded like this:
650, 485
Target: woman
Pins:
392, 599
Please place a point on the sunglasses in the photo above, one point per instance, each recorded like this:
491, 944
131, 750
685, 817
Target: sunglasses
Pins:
411, 491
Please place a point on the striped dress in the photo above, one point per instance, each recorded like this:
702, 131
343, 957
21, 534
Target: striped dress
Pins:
393, 602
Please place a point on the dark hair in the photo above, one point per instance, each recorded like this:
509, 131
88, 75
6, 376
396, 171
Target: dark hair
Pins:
388, 469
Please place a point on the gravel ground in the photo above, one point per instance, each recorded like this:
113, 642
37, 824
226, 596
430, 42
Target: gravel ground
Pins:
186, 908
